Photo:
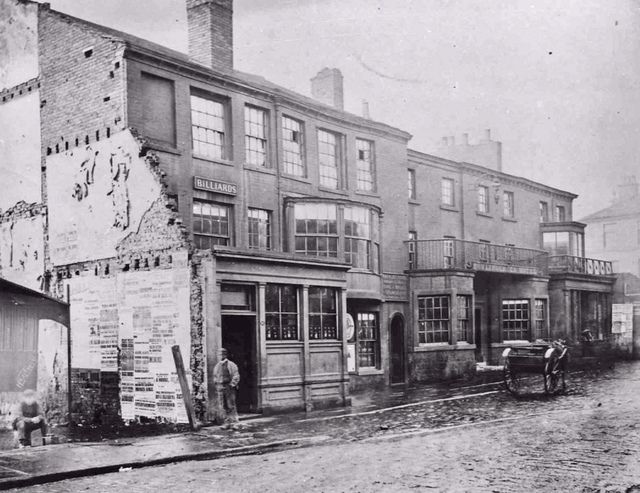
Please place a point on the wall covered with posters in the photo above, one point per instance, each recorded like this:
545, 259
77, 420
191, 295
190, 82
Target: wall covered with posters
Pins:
123, 327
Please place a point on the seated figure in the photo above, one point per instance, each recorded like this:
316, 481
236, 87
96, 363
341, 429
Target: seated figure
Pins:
28, 417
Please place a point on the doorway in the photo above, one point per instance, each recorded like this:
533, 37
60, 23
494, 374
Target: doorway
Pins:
397, 349
239, 338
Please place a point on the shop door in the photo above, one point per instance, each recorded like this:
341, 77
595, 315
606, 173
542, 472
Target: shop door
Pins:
239, 339
397, 349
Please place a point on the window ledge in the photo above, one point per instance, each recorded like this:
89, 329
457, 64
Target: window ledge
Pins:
483, 214
414, 202
436, 346
364, 372
259, 169
333, 190
224, 162
367, 194
300, 179
449, 208
509, 219
159, 145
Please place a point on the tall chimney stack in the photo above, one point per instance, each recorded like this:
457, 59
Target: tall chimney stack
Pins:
211, 32
365, 109
327, 87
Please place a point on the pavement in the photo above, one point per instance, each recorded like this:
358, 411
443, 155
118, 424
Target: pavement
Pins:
48, 463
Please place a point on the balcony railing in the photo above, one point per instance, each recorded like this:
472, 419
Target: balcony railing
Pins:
579, 265
445, 254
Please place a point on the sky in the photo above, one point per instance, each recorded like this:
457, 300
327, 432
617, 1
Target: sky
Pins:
556, 82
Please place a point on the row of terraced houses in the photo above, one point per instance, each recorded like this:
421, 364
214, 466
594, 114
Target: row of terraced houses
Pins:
170, 199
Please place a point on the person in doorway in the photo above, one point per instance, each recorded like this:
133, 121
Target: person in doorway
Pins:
28, 417
226, 378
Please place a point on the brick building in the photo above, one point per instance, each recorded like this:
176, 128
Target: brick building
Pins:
174, 200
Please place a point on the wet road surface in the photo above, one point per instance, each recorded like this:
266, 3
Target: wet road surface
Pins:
478, 439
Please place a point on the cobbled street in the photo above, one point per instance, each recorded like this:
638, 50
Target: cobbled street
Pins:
481, 439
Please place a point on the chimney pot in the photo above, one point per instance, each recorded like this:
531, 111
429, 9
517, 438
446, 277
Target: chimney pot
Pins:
327, 87
365, 109
487, 134
465, 139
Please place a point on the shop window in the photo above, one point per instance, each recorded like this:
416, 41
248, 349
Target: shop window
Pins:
293, 147
255, 139
464, 332
515, 320
316, 229
329, 158
211, 224
447, 193
508, 204
483, 199
367, 333
365, 171
323, 313
259, 223
433, 319
411, 176
281, 312
208, 127
540, 319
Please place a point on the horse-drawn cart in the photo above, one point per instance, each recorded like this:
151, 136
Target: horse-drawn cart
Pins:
546, 359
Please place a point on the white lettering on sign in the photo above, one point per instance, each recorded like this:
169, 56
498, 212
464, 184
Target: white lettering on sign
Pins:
215, 186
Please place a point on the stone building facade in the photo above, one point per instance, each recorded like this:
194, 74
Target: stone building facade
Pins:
182, 202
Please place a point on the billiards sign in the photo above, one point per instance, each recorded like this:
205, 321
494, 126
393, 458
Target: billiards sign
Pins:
215, 186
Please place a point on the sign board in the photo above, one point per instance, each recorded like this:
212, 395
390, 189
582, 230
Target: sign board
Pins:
622, 318
394, 287
505, 269
214, 186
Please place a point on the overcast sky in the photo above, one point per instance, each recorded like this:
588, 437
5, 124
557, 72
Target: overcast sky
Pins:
555, 81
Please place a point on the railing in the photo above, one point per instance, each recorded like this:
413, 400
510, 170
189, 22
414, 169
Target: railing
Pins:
580, 265
470, 255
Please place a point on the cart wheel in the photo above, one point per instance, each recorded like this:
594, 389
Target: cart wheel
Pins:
511, 378
553, 375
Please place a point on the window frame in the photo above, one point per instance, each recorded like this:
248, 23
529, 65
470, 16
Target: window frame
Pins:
249, 137
540, 311
366, 177
370, 341
269, 229
544, 211
201, 234
483, 199
306, 235
411, 184
464, 319
560, 213
327, 180
447, 192
424, 320
226, 139
292, 168
515, 321
508, 204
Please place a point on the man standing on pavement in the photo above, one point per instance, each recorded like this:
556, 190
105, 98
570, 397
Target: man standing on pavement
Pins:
28, 417
226, 378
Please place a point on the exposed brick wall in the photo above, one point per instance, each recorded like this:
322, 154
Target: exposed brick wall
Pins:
81, 74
